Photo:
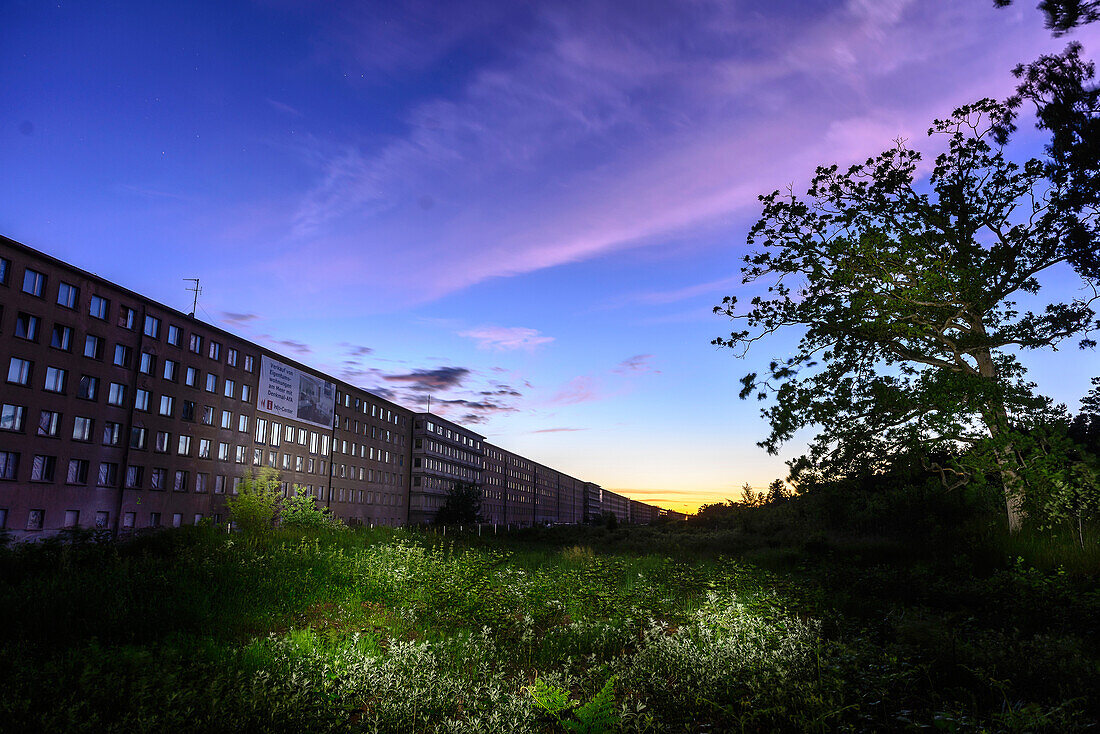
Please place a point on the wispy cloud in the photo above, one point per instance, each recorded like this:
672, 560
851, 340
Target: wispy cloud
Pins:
559, 430
583, 389
239, 319
638, 364
593, 129
506, 338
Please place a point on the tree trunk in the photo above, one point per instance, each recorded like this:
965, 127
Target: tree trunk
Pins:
996, 421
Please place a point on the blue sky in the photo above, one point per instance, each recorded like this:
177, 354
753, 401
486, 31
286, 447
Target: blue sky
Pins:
526, 208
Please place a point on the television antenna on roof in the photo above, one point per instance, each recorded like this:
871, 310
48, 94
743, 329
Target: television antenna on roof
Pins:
196, 290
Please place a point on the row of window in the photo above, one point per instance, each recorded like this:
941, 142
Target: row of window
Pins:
68, 296
36, 519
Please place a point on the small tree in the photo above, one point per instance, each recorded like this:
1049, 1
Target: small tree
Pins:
252, 510
750, 497
462, 506
777, 492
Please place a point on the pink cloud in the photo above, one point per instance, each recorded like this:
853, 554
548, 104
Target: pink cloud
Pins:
600, 131
506, 338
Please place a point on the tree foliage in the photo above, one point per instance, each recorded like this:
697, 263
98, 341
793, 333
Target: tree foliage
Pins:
462, 506
906, 299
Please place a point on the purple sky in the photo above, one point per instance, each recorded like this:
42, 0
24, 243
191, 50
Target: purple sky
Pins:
525, 209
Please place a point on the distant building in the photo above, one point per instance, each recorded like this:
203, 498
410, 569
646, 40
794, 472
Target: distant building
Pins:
121, 413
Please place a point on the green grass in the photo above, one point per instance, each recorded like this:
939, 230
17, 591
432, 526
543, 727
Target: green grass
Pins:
571, 629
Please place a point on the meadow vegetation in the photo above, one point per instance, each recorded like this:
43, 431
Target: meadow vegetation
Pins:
741, 620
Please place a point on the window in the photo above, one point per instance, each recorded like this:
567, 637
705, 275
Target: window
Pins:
78, 472
171, 370
126, 317
158, 478
290, 434
286, 461
9, 464
191, 377
152, 327
116, 394
211, 383
223, 451
242, 423
207, 415
297, 463
239, 456
26, 326
87, 387
61, 338
82, 428
175, 334
301, 437
201, 481
55, 380
98, 307
177, 519
219, 486
248, 363
231, 358
257, 457
246, 393
36, 519
204, 448
179, 483
102, 519
19, 371
67, 295
184, 446
138, 437
49, 423
34, 282
93, 347
112, 433
167, 403
236, 484
195, 345
275, 429
123, 355
188, 411
141, 400
5, 268
154, 519
227, 419
43, 468
108, 475
261, 430
230, 388
133, 477
215, 350
161, 444
12, 417
147, 364
313, 438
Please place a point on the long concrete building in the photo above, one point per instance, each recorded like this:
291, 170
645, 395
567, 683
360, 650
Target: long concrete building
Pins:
121, 413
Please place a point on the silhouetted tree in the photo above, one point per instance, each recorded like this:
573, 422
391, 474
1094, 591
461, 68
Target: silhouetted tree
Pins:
906, 302
462, 506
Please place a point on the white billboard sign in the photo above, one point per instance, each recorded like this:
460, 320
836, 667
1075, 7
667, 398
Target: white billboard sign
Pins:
290, 393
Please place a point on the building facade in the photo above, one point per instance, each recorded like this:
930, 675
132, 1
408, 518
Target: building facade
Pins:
121, 413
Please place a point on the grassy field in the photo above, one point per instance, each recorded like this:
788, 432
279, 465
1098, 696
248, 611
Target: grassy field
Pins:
573, 629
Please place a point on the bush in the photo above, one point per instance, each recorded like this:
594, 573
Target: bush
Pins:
301, 511
253, 509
